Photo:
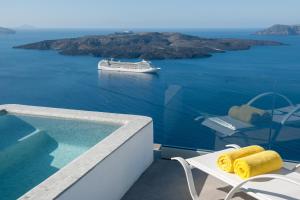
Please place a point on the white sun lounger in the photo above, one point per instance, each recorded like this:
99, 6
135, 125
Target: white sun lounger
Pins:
282, 185
227, 126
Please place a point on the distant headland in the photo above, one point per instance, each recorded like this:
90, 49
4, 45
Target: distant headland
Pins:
6, 31
146, 45
279, 29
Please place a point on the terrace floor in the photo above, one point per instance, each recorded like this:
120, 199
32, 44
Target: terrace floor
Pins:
165, 179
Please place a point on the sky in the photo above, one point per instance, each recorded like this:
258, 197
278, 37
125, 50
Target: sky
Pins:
148, 13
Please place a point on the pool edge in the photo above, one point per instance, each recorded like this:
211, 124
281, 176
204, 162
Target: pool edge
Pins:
59, 183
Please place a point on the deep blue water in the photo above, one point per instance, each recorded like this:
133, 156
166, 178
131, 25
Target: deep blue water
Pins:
183, 90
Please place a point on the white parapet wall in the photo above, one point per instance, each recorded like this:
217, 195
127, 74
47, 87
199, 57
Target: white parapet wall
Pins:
108, 169
113, 176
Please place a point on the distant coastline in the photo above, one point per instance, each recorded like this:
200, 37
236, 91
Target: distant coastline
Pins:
4, 31
146, 45
279, 29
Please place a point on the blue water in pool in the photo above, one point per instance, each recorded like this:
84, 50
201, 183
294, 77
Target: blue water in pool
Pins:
34, 148
182, 91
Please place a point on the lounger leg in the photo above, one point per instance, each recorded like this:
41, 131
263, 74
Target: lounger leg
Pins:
189, 176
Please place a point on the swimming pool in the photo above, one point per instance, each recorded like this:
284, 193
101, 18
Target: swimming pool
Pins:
36, 143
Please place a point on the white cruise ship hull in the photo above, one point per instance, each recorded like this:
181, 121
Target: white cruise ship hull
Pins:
151, 70
123, 67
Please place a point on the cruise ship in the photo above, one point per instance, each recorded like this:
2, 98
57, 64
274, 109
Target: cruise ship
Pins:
138, 67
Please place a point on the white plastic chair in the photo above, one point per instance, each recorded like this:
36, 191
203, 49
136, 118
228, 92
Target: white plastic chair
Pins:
225, 126
282, 185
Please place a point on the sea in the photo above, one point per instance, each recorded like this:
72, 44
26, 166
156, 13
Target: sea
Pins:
179, 98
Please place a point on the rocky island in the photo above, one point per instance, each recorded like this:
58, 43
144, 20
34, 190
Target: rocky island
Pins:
146, 45
6, 31
280, 29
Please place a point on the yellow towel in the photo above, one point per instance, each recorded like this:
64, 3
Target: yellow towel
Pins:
256, 164
226, 160
249, 114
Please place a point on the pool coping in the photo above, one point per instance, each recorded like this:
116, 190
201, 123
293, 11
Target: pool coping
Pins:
57, 183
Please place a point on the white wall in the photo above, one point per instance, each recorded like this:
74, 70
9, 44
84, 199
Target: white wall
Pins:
113, 176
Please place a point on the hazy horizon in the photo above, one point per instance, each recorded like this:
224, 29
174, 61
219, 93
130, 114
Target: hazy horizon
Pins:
131, 28
135, 14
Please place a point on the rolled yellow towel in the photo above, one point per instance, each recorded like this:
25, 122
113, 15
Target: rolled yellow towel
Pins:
226, 160
256, 164
249, 114
234, 112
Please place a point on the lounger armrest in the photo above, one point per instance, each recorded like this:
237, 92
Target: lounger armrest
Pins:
235, 146
183, 162
286, 118
266, 176
267, 94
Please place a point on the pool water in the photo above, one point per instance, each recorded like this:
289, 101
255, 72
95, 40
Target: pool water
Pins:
32, 148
